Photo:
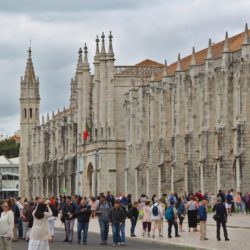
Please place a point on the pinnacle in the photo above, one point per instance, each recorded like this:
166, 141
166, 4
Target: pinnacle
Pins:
193, 58
178, 67
209, 50
226, 44
103, 51
29, 75
246, 36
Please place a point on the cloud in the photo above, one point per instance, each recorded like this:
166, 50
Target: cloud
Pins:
142, 29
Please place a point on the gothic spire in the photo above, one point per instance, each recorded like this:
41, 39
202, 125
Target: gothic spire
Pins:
97, 46
47, 117
246, 35
209, 50
178, 66
193, 58
42, 119
29, 75
85, 53
79, 63
111, 52
165, 71
85, 60
226, 43
103, 51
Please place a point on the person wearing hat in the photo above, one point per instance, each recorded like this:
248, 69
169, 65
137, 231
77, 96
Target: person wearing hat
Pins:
221, 215
117, 216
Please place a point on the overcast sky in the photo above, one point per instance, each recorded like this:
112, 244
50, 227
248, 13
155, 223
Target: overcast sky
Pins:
154, 29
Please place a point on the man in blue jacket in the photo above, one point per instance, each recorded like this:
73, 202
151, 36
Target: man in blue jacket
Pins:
202, 212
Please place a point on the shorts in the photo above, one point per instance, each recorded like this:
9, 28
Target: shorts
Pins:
228, 205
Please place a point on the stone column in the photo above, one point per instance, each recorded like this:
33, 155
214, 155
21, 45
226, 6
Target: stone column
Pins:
159, 180
238, 179
218, 173
172, 179
201, 176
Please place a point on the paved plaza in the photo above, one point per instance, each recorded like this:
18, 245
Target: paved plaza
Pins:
93, 243
238, 231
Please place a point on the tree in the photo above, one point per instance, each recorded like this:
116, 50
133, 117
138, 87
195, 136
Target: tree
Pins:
9, 148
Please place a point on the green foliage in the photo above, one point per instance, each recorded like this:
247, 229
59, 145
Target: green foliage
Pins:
9, 148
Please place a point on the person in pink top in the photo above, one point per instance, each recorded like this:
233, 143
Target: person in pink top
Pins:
146, 220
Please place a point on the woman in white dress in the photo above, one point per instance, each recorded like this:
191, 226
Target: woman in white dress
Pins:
39, 235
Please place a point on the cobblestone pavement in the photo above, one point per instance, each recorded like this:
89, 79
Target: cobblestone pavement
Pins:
93, 243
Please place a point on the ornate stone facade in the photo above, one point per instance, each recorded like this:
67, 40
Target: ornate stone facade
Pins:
154, 128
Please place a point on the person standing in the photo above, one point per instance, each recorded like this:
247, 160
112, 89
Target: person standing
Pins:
133, 216
68, 212
83, 213
6, 227
146, 222
102, 211
202, 212
229, 200
117, 216
181, 212
247, 202
191, 207
221, 215
171, 217
156, 217
39, 235
16, 212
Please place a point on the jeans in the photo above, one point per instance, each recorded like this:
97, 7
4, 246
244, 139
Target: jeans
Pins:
116, 232
104, 227
20, 228
170, 224
82, 226
122, 233
133, 225
69, 228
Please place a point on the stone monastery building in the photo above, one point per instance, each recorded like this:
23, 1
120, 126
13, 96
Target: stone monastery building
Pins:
148, 128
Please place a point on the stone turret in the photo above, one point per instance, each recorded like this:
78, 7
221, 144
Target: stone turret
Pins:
193, 58
209, 50
29, 105
178, 66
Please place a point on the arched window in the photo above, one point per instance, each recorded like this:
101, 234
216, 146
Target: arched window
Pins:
25, 113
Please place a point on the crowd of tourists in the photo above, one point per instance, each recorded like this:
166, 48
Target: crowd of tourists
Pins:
34, 220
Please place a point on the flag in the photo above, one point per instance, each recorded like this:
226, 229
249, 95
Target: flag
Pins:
86, 132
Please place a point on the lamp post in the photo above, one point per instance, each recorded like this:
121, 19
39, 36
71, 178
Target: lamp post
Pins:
1, 185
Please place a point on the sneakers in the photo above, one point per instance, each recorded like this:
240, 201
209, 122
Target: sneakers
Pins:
132, 235
114, 245
123, 244
160, 235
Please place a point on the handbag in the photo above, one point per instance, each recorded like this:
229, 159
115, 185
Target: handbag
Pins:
216, 217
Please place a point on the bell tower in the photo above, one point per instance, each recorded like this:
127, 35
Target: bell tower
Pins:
29, 111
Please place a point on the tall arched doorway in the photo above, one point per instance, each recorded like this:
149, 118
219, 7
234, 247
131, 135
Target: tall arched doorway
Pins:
90, 171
